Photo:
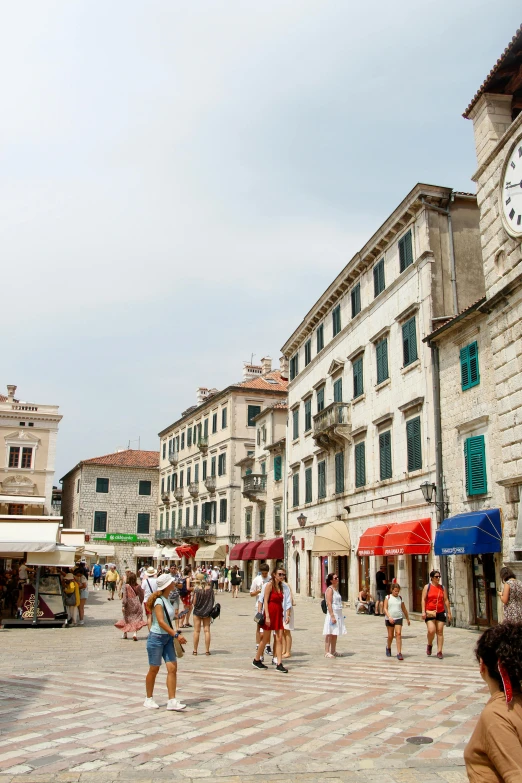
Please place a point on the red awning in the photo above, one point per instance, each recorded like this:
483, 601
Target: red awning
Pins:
370, 543
249, 552
408, 538
273, 549
237, 551
187, 550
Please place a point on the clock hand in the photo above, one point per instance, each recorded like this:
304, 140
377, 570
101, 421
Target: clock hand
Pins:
516, 185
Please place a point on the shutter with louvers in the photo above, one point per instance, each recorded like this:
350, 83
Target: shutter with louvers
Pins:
360, 465
413, 438
339, 472
475, 465
464, 367
338, 390
308, 485
409, 341
295, 489
405, 251
474, 376
278, 465
385, 455
321, 479
358, 386
381, 350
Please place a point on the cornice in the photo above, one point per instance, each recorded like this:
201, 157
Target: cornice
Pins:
511, 131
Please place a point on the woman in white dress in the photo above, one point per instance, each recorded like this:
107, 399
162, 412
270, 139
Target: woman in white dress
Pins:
334, 621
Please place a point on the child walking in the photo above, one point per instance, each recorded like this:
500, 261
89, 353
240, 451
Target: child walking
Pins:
395, 611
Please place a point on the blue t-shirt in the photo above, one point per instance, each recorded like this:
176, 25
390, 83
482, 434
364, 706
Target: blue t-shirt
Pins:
156, 627
96, 571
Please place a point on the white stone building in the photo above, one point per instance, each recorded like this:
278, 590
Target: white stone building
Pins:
114, 499
360, 437
263, 495
200, 483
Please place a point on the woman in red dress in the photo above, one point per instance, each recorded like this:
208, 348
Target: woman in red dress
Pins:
272, 620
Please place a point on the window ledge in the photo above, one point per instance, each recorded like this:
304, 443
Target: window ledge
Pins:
295, 440
383, 384
414, 473
358, 399
409, 367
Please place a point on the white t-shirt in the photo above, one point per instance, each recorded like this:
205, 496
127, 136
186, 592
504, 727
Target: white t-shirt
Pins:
22, 573
149, 586
257, 584
395, 607
214, 575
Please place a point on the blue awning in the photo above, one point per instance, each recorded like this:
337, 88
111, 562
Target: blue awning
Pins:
472, 533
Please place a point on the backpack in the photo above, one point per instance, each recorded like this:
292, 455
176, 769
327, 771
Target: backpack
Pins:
215, 612
183, 591
324, 605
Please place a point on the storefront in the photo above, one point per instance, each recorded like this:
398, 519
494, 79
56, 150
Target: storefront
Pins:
370, 545
475, 540
409, 541
332, 546
213, 553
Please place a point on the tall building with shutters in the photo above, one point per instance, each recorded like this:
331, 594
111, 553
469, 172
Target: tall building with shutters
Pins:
361, 423
201, 458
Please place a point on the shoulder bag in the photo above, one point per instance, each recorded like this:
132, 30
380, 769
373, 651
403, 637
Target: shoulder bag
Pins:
178, 647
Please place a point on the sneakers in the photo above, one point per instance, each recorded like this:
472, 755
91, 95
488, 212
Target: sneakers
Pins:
150, 704
429, 648
281, 668
175, 704
440, 656
80, 622
388, 652
274, 661
400, 657
268, 650
258, 665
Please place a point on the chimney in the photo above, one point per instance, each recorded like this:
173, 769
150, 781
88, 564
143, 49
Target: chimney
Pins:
201, 394
251, 371
266, 364
283, 366
10, 392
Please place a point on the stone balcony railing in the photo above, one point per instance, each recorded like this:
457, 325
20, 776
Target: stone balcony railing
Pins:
254, 485
196, 532
332, 425
210, 483
194, 488
178, 494
203, 444
174, 458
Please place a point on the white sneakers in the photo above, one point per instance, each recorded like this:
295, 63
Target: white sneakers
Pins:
150, 704
175, 704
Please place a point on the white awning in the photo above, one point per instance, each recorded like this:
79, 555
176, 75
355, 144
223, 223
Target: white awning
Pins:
72, 537
102, 549
332, 539
144, 551
31, 536
35, 500
63, 556
212, 552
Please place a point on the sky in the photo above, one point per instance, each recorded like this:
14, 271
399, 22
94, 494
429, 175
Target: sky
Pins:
180, 181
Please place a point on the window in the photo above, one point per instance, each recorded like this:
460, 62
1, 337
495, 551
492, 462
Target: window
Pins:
295, 489
277, 518
339, 472
320, 399
100, 522
195, 516
162, 486
161, 521
213, 466
278, 468
338, 390
356, 299
182, 440
168, 483
204, 470
248, 522
194, 434
187, 516
308, 485
164, 450
177, 443
263, 468
171, 445
224, 419
469, 366
259, 437
167, 518
358, 381
196, 473
475, 465
181, 479
262, 530
145, 487
189, 438
385, 461
102, 485
308, 352
360, 464
223, 510
27, 457
336, 320
77, 486
413, 439
174, 481
405, 251
253, 411
308, 415
321, 479
143, 528
295, 423
222, 464
294, 366
263, 434
409, 341
214, 422
320, 337
189, 475
14, 456
180, 517
381, 353
378, 278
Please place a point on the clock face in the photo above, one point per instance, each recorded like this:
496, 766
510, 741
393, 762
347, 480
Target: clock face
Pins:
511, 191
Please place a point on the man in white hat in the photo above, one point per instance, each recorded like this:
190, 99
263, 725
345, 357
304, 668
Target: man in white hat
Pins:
149, 586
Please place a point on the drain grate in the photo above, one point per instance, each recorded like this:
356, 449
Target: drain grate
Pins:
419, 740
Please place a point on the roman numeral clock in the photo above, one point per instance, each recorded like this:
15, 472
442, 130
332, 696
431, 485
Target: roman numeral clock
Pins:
511, 191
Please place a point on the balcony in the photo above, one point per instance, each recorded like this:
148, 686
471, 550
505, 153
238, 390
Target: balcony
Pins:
178, 494
332, 426
254, 486
167, 534
165, 497
174, 458
193, 489
195, 532
210, 483
203, 444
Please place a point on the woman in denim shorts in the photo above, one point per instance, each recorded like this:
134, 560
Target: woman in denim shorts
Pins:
160, 643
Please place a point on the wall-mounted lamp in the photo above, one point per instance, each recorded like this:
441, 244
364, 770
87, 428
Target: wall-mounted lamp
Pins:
428, 491
301, 520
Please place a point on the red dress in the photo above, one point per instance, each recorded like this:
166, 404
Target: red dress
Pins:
275, 610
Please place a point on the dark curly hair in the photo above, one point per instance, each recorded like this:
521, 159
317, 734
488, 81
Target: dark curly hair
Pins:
329, 580
502, 643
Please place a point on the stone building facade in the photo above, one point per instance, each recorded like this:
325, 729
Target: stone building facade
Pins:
360, 437
496, 112
200, 481
113, 498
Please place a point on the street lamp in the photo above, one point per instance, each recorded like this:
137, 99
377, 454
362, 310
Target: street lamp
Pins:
234, 539
301, 520
428, 491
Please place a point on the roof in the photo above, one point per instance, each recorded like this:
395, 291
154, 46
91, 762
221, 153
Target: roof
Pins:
441, 327
505, 76
3, 398
272, 381
130, 458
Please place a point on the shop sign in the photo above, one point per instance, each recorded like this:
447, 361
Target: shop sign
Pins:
119, 538
454, 550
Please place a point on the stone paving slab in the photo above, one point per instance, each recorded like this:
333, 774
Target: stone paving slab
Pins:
71, 705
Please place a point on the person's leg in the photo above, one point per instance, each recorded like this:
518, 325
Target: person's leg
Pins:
150, 679
206, 628
287, 644
82, 608
265, 638
440, 636
431, 628
390, 629
333, 643
327, 643
398, 638
149, 618
278, 646
197, 630
172, 670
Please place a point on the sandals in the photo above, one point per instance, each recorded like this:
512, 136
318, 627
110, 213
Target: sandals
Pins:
208, 653
194, 653
329, 655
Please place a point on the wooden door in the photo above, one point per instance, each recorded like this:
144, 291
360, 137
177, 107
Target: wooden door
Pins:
484, 590
419, 578
309, 574
297, 573
342, 567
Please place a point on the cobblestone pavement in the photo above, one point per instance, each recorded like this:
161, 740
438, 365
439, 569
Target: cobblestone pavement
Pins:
71, 705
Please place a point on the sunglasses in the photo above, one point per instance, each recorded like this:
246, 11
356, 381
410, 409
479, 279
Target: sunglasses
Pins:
280, 574
436, 576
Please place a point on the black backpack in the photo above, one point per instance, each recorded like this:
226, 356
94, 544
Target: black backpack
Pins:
215, 612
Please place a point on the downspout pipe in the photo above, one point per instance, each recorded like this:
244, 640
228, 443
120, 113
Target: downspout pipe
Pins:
453, 270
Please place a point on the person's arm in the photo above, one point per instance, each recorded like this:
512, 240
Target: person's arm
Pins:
447, 604
405, 612
423, 601
255, 588
268, 590
504, 750
504, 594
390, 619
329, 599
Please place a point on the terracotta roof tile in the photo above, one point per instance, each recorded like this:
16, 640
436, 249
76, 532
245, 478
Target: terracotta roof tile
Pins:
442, 324
266, 382
130, 458
511, 51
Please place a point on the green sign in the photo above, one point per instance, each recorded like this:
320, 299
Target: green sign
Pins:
127, 538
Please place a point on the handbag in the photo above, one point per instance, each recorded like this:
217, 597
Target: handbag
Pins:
70, 598
259, 617
215, 611
178, 647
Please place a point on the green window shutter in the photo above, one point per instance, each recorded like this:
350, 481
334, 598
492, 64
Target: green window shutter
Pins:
405, 251
336, 320
295, 489
385, 455
204, 470
308, 414
253, 411
320, 399
378, 278
409, 341
360, 465
261, 521
475, 465
464, 367
321, 479
144, 524
320, 338
356, 299
358, 385
295, 423
414, 445
308, 352
338, 390
308, 485
381, 351
469, 366
339, 472
278, 468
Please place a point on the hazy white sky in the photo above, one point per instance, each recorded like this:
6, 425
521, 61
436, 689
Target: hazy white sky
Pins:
181, 180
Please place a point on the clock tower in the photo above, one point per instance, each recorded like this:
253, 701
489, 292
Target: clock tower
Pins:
496, 112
